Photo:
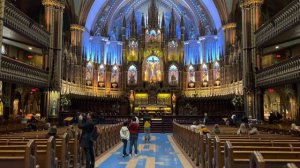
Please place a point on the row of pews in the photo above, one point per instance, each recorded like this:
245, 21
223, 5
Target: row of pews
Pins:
238, 151
35, 150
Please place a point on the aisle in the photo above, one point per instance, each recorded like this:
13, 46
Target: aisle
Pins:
160, 153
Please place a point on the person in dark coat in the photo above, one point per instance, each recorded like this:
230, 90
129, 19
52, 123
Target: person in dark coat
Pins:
85, 141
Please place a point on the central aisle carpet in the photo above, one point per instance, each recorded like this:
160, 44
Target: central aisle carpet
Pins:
157, 154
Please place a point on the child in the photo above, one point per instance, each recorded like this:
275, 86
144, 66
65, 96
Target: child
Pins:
147, 126
124, 134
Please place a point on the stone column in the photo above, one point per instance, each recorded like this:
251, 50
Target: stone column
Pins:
2, 6
76, 43
250, 23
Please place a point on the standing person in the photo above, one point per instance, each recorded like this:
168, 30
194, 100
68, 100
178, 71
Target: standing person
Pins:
134, 129
147, 129
85, 141
124, 134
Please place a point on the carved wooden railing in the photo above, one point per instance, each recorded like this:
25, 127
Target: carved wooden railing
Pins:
228, 89
279, 73
16, 71
18, 21
77, 89
282, 21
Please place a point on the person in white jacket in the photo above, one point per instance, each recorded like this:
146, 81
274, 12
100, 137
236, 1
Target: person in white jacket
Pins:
124, 134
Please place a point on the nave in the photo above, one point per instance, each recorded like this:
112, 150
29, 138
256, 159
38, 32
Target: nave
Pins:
160, 153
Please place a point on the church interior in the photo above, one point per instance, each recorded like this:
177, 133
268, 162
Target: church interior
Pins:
190, 75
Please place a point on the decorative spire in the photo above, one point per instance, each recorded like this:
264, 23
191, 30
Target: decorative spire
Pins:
153, 15
163, 23
181, 22
143, 21
133, 25
124, 21
172, 27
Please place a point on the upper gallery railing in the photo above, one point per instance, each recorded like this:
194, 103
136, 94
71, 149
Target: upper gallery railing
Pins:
228, 89
282, 21
16, 71
279, 73
18, 21
77, 89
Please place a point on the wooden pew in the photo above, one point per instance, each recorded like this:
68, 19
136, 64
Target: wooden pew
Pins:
45, 150
16, 156
238, 156
257, 160
218, 146
61, 145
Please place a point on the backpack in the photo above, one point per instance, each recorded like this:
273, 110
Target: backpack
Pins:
147, 124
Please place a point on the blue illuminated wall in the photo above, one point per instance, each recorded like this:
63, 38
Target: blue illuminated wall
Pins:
207, 49
101, 50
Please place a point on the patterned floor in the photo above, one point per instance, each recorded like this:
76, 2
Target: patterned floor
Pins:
160, 153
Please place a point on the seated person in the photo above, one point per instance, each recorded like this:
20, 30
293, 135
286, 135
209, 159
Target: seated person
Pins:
253, 130
71, 131
242, 129
294, 127
52, 131
194, 126
204, 129
216, 129
47, 126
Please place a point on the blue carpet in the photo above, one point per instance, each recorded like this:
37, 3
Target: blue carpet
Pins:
159, 154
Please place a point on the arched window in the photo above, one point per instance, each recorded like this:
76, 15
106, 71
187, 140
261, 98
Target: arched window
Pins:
205, 77
217, 73
173, 75
101, 76
89, 74
132, 75
115, 76
191, 74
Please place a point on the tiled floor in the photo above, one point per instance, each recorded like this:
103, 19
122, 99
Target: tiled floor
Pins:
160, 153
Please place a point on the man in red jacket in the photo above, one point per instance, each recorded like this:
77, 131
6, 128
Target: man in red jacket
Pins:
134, 129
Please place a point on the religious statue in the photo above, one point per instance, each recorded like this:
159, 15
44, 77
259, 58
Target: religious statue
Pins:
132, 78
101, 78
192, 77
53, 108
114, 78
173, 77
204, 76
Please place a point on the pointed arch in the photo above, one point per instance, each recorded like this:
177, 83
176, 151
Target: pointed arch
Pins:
132, 75
173, 75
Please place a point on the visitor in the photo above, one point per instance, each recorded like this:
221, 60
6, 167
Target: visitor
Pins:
124, 134
147, 129
294, 127
233, 119
86, 143
242, 129
204, 129
205, 119
32, 124
194, 126
134, 129
47, 126
137, 120
52, 131
253, 130
216, 129
71, 132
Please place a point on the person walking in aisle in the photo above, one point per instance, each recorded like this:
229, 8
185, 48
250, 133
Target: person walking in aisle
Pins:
124, 134
147, 129
86, 140
134, 129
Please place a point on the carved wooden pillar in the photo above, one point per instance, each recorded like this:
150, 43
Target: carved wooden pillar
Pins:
2, 6
250, 23
76, 43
